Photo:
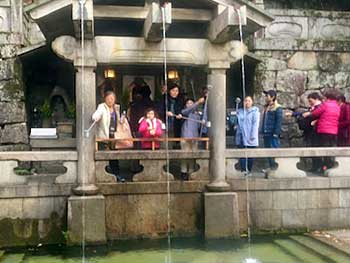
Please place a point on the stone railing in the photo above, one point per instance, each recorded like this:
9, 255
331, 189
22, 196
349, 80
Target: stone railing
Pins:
9, 161
288, 158
154, 162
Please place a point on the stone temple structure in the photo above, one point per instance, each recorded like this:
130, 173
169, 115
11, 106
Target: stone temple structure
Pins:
45, 66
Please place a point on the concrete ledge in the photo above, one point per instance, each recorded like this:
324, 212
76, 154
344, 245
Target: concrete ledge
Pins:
37, 190
40, 156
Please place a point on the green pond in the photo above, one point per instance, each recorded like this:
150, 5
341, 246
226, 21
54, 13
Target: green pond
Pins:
281, 249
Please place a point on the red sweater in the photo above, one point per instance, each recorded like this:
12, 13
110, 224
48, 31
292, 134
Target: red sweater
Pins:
344, 125
145, 132
328, 117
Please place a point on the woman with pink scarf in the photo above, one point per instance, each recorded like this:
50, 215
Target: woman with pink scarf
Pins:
150, 127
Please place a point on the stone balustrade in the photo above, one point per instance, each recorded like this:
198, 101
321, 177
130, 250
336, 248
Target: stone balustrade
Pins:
286, 158
154, 163
10, 160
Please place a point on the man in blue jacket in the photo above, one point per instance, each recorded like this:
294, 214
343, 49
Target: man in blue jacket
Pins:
272, 123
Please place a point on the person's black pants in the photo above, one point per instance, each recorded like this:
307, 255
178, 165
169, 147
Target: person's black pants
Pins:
327, 140
113, 164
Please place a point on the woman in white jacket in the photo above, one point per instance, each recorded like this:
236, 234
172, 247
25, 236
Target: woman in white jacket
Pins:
107, 116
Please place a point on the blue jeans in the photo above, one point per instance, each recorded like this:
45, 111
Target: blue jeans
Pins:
271, 142
246, 164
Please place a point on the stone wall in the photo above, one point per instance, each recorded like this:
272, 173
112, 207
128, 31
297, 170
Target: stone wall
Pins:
33, 214
294, 205
13, 128
302, 52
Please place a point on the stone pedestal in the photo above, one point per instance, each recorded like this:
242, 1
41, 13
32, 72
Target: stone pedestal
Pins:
221, 215
86, 220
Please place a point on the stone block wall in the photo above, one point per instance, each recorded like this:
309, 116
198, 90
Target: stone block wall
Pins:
297, 205
13, 127
302, 52
33, 214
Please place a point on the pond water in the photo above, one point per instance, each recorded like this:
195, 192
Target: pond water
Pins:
281, 249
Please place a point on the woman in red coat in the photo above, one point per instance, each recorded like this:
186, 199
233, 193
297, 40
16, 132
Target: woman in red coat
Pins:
327, 116
150, 127
344, 122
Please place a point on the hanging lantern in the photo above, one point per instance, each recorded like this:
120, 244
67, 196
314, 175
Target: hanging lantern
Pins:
109, 73
173, 74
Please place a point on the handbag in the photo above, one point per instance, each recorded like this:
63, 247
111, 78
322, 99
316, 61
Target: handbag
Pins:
123, 132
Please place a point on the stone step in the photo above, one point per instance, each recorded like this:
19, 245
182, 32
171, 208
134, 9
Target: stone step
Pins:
330, 253
12, 258
301, 253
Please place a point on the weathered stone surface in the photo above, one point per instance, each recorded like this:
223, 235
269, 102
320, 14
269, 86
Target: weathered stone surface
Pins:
266, 219
288, 27
318, 80
265, 80
342, 80
101, 175
8, 51
329, 28
293, 218
272, 64
282, 55
94, 224
329, 61
8, 175
14, 133
280, 197
6, 69
221, 215
14, 147
287, 168
146, 215
203, 171
291, 81
288, 100
303, 61
338, 218
153, 170
12, 112
11, 91
317, 218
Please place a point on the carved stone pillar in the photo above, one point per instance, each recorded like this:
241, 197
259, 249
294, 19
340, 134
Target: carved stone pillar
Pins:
217, 133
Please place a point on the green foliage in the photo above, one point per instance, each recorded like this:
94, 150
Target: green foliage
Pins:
46, 110
24, 171
71, 111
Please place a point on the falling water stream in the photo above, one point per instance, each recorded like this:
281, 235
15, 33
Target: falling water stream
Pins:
82, 135
247, 174
165, 62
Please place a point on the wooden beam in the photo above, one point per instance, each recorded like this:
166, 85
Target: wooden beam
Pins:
140, 13
222, 29
153, 25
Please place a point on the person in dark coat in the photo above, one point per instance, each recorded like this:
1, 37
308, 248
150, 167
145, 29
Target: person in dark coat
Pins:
140, 102
272, 123
309, 126
173, 109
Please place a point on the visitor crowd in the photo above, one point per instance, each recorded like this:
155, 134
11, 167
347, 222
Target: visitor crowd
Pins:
325, 123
